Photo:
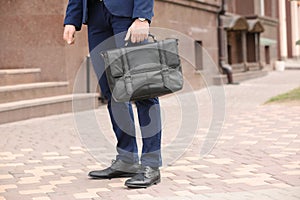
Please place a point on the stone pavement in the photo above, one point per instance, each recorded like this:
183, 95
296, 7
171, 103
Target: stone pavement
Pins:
256, 156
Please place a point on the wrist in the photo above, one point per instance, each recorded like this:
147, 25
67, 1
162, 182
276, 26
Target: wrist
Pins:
143, 20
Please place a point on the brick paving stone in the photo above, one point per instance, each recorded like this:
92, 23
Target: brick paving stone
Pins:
75, 171
85, 195
9, 196
281, 185
167, 174
183, 193
55, 196
43, 189
4, 188
116, 185
29, 180
5, 176
199, 188
139, 196
211, 176
182, 181
220, 161
41, 198
292, 172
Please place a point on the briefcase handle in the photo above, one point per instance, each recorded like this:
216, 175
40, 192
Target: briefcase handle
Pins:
149, 36
153, 37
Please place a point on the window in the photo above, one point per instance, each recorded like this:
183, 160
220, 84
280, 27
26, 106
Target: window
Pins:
267, 55
199, 55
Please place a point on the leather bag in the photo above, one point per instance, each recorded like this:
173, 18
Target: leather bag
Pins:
144, 71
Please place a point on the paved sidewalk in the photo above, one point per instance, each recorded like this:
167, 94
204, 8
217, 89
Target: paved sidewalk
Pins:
256, 156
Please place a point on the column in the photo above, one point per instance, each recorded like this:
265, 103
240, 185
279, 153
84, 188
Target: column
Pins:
283, 30
258, 4
257, 41
295, 29
244, 47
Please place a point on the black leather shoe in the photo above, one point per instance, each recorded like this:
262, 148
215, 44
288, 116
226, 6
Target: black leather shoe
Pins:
146, 177
118, 169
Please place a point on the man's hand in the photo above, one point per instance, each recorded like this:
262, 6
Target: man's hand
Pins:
69, 34
138, 31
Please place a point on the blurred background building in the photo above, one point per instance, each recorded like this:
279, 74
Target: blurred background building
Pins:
244, 38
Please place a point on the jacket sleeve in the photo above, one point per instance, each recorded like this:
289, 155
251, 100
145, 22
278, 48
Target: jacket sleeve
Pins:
143, 9
74, 14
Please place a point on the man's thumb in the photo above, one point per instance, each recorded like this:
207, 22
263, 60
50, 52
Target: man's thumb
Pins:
70, 37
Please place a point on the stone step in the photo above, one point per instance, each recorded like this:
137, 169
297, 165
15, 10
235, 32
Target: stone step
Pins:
238, 77
292, 65
26, 109
19, 92
238, 68
19, 76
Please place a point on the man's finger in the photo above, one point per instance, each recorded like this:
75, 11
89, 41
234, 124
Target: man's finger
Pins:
133, 38
66, 35
143, 37
128, 35
136, 38
70, 37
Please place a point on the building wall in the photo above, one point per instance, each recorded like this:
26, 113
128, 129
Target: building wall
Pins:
31, 37
196, 20
244, 7
271, 8
32, 30
271, 34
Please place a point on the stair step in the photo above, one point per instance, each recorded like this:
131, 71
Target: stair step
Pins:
237, 77
19, 76
31, 91
26, 109
292, 66
238, 68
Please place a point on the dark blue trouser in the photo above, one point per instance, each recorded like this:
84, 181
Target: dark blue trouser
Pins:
102, 25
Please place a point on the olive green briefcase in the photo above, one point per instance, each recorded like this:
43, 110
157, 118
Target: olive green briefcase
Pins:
144, 71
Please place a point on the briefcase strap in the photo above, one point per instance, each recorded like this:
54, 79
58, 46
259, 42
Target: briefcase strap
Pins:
128, 81
165, 68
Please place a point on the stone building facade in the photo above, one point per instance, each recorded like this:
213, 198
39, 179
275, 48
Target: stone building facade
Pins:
241, 37
289, 29
260, 45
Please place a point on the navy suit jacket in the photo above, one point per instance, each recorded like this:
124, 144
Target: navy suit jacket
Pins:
77, 10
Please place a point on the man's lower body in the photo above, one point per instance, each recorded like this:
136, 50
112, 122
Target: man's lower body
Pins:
109, 31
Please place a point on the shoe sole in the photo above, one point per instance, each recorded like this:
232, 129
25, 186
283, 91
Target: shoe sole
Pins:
107, 177
143, 186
